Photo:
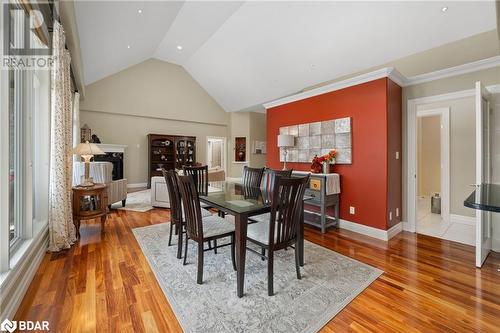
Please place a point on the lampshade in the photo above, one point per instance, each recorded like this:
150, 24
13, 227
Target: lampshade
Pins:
285, 140
87, 148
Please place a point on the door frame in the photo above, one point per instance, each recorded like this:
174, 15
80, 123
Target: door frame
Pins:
223, 150
411, 153
444, 113
411, 137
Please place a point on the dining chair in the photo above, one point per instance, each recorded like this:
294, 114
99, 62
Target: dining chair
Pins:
282, 229
176, 210
200, 176
202, 230
268, 181
252, 177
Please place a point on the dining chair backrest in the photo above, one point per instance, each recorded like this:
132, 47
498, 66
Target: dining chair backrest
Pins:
192, 208
200, 176
174, 195
287, 206
252, 176
270, 175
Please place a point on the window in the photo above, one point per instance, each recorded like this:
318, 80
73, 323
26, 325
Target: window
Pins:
28, 147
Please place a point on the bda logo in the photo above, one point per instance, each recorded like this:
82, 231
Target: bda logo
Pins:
8, 326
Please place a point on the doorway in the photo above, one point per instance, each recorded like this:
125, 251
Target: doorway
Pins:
433, 171
216, 152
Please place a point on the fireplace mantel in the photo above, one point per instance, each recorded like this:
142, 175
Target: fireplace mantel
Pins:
111, 148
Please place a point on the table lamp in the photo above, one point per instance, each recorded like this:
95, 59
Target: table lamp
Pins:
285, 141
87, 151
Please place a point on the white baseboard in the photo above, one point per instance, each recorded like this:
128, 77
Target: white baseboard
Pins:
454, 218
137, 185
371, 231
394, 230
233, 179
16, 284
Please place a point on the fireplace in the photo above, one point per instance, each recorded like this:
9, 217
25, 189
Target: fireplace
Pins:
115, 155
116, 159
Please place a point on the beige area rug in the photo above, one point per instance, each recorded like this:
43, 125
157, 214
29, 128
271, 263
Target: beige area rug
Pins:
329, 282
139, 201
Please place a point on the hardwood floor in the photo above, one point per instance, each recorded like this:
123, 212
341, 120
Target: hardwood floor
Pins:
104, 284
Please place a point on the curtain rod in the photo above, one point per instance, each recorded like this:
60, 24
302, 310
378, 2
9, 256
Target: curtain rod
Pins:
56, 17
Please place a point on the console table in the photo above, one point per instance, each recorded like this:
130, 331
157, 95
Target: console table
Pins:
324, 189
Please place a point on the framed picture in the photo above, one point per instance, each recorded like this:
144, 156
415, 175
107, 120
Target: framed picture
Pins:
85, 133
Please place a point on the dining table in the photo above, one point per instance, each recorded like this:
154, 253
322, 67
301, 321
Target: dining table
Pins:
243, 202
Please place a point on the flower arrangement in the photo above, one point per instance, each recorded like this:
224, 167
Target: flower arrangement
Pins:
330, 156
319, 161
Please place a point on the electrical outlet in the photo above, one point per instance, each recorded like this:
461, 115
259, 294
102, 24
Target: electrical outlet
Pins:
352, 210
397, 212
390, 216
397, 155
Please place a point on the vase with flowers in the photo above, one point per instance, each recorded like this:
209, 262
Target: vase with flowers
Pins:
322, 163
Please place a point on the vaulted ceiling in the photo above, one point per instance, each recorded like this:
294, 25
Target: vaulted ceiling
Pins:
248, 53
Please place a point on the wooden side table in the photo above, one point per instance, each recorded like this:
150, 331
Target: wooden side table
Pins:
90, 203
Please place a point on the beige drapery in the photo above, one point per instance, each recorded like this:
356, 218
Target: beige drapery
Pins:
61, 228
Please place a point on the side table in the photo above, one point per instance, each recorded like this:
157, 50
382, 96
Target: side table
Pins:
90, 203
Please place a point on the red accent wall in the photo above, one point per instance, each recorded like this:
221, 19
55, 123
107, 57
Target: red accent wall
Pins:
394, 144
364, 183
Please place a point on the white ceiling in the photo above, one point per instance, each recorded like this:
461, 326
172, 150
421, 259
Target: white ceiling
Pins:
245, 54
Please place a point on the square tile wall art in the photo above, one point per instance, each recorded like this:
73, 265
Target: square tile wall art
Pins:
319, 138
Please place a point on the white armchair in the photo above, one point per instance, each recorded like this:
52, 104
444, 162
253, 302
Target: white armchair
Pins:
102, 172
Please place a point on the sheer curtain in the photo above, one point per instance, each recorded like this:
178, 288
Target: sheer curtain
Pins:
61, 228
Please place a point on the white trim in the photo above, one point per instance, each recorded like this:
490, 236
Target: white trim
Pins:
384, 235
389, 72
15, 282
4, 163
494, 89
394, 230
224, 150
454, 71
445, 131
237, 162
454, 218
392, 74
137, 185
233, 179
411, 194
111, 148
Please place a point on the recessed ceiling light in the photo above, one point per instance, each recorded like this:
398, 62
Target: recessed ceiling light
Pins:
139, 11
444, 9
128, 46
179, 47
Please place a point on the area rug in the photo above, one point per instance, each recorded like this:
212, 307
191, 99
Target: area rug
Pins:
329, 282
139, 201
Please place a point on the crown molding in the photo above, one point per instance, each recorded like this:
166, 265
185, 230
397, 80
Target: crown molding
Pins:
392, 74
389, 72
454, 71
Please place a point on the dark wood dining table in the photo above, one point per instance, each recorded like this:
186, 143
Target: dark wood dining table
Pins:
243, 202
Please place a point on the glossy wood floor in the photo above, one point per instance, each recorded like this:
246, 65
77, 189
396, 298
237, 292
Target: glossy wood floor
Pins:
105, 284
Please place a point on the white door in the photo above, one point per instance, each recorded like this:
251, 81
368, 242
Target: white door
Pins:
483, 171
